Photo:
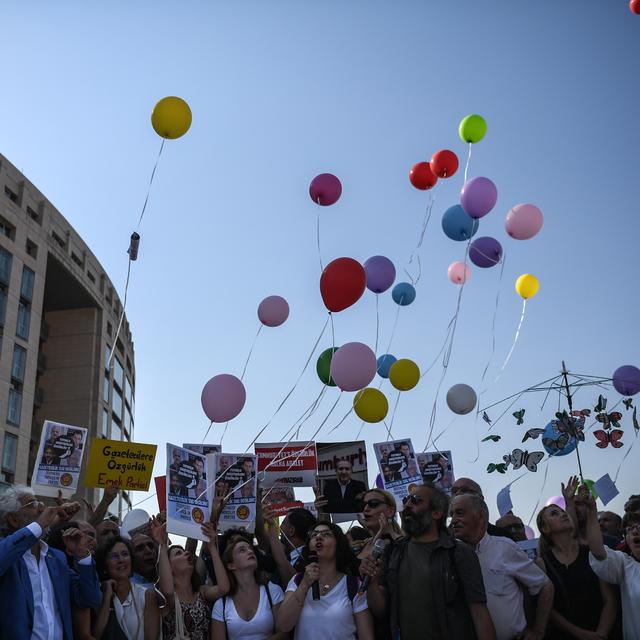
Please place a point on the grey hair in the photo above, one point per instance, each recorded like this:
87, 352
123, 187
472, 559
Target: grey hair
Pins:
10, 500
478, 504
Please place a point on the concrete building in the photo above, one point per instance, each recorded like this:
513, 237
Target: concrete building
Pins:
59, 313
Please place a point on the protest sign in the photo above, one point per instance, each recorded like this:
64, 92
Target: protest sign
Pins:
436, 467
236, 483
117, 463
398, 468
188, 505
59, 459
342, 476
203, 449
281, 500
294, 465
161, 492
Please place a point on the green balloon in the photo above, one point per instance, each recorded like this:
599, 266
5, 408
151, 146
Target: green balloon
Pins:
590, 484
472, 128
323, 366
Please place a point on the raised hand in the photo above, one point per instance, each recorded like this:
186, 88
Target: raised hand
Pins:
48, 517
311, 574
158, 531
76, 542
108, 588
569, 491
269, 516
67, 510
370, 567
210, 530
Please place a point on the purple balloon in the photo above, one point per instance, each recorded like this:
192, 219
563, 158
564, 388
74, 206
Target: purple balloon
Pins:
353, 366
478, 197
626, 380
380, 273
273, 311
325, 189
379, 482
558, 501
223, 397
485, 252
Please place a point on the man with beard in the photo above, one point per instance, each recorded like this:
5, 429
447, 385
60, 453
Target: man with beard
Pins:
429, 584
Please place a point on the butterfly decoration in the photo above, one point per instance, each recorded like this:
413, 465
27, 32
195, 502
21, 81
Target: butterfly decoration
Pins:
636, 424
628, 403
581, 413
486, 418
602, 404
570, 424
518, 458
533, 434
606, 438
609, 420
556, 445
500, 467
519, 416
492, 438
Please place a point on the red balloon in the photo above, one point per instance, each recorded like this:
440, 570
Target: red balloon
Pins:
342, 283
444, 163
634, 5
422, 177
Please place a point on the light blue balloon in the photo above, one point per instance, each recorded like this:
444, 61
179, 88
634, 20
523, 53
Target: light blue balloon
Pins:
403, 294
384, 364
458, 225
553, 434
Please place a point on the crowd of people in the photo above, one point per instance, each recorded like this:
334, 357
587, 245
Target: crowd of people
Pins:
441, 570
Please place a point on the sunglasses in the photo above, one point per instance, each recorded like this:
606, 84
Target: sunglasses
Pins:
321, 534
413, 499
373, 503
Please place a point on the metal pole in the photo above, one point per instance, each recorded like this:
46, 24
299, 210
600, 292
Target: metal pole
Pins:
570, 403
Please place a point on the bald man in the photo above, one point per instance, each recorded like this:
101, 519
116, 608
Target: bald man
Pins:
467, 486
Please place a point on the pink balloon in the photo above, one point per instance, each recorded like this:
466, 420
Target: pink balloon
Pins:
223, 397
529, 532
325, 189
273, 311
558, 501
353, 366
458, 272
523, 221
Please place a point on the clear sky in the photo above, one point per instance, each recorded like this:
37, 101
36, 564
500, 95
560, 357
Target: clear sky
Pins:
282, 91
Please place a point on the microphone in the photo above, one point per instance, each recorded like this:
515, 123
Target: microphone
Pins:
376, 554
315, 587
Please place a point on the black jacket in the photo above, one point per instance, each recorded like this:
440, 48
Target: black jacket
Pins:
352, 495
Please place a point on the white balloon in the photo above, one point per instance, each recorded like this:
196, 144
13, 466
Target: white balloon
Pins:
461, 399
134, 519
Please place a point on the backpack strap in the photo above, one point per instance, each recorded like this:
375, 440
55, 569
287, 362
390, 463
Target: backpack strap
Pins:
297, 579
266, 586
353, 585
224, 616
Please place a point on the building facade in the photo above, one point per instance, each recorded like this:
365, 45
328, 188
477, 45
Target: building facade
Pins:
59, 314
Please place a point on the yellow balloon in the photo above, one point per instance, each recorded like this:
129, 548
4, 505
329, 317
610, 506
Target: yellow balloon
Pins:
171, 117
370, 405
527, 285
404, 374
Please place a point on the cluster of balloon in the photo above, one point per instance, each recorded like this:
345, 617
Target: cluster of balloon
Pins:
626, 380
325, 189
273, 311
223, 397
424, 175
380, 273
342, 284
461, 399
634, 6
171, 118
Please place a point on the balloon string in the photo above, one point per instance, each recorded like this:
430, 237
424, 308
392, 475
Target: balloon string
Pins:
515, 340
466, 168
375, 350
318, 238
360, 430
288, 395
423, 229
393, 330
153, 174
544, 483
388, 428
207, 432
346, 415
253, 344
224, 433
393, 415
623, 460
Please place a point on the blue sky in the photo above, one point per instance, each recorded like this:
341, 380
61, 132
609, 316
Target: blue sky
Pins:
282, 91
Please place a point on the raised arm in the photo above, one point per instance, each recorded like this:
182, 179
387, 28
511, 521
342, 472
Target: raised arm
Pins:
285, 570
594, 534
222, 586
158, 532
96, 516
569, 495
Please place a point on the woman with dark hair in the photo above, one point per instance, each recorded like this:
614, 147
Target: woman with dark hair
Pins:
338, 612
249, 611
583, 605
187, 610
122, 612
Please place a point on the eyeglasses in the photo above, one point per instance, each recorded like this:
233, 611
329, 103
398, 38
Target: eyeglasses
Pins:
32, 503
321, 534
413, 499
373, 503
124, 555
515, 527
634, 528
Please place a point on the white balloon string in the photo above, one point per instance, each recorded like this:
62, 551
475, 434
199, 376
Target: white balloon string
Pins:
466, 168
153, 174
623, 460
318, 238
360, 429
393, 330
288, 395
375, 350
515, 341
393, 414
346, 415
253, 344
388, 428
415, 253
207, 432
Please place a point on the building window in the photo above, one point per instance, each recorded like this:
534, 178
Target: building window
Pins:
7, 229
24, 318
61, 243
109, 329
5, 266
33, 215
116, 404
18, 364
105, 423
105, 389
91, 277
3, 305
118, 373
32, 249
76, 259
14, 408
116, 431
12, 195
9, 455
26, 288
128, 392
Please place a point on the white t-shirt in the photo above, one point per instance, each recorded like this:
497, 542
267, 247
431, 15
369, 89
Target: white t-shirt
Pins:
260, 627
331, 617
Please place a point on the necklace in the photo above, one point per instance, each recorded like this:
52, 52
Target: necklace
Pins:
328, 586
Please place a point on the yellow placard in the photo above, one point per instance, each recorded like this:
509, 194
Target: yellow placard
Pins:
115, 463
